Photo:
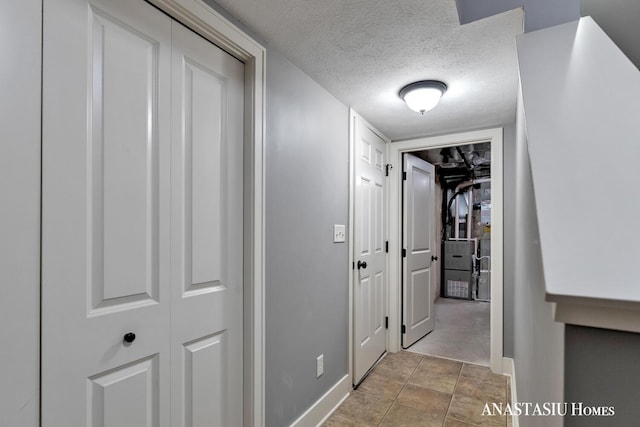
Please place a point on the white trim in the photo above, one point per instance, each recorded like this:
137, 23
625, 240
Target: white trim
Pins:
596, 313
497, 248
510, 371
494, 136
353, 117
324, 407
507, 366
201, 18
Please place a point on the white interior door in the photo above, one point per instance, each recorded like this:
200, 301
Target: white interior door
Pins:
206, 233
370, 262
418, 317
142, 232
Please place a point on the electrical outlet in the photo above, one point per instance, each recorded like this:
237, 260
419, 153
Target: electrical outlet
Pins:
339, 233
319, 365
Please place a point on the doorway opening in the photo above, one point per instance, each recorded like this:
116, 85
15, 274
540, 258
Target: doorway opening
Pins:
493, 140
451, 208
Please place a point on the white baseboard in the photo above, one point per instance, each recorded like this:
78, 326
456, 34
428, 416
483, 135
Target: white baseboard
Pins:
509, 368
320, 411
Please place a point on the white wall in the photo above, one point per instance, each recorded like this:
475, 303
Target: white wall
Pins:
581, 102
20, 29
538, 339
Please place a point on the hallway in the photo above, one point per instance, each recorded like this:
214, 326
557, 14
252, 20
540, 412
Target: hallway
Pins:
412, 390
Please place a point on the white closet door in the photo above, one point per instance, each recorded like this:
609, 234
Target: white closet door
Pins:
206, 233
142, 223
105, 245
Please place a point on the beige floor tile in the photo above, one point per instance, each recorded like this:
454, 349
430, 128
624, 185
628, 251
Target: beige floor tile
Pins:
482, 373
342, 421
405, 357
441, 365
452, 422
486, 391
494, 422
404, 416
424, 399
380, 385
395, 370
439, 392
469, 409
466, 408
436, 374
398, 366
365, 408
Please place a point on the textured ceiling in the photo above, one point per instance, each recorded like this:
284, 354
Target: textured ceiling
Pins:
364, 51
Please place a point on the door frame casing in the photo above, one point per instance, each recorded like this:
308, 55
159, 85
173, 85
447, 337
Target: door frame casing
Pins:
353, 117
495, 137
210, 24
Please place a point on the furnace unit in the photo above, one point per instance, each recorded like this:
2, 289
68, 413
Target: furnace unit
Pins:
458, 269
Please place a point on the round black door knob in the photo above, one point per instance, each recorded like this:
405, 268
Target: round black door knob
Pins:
361, 264
129, 337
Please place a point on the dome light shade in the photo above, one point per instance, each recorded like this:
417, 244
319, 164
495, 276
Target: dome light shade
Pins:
424, 95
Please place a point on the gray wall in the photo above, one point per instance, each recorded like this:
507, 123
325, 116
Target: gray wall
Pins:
307, 181
538, 339
306, 273
619, 19
19, 211
602, 369
509, 206
538, 13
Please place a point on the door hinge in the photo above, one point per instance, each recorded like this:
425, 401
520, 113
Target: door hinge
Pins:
404, 329
386, 246
386, 322
404, 253
404, 175
387, 167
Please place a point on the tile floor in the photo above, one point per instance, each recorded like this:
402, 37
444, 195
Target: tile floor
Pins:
413, 390
461, 332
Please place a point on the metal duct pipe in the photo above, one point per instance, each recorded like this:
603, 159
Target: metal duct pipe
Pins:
468, 183
470, 213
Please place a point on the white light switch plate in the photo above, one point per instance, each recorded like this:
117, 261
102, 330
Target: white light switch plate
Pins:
319, 365
339, 233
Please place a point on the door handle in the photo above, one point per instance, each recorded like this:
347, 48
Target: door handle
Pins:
361, 264
434, 258
129, 337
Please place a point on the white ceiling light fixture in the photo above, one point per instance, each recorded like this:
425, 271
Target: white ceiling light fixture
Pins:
424, 95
